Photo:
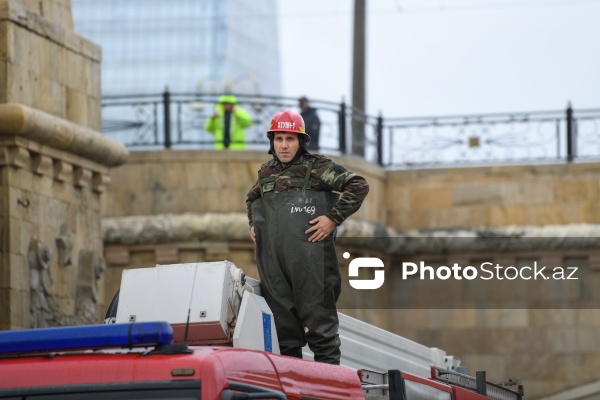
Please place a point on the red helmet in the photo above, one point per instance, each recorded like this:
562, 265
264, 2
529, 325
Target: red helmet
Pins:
288, 121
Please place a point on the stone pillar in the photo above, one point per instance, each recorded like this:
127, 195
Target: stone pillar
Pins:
45, 65
54, 167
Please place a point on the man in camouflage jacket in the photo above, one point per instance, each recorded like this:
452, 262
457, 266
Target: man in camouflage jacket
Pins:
293, 214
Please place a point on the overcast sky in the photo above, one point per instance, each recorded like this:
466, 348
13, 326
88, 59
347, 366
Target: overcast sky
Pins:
446, 57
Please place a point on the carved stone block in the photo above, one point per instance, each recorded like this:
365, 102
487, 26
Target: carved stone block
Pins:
82, 177
41, 164
166, 254
64, 244
117, 255
62, 170
100, 181
42, 285
90, 269
14, 156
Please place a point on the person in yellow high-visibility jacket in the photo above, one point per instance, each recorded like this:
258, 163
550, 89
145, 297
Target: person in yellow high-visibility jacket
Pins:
228, 123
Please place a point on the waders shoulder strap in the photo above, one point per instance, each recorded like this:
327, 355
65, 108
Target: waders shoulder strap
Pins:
307, 176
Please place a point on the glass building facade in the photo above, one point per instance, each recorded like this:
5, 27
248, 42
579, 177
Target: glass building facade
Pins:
211, 46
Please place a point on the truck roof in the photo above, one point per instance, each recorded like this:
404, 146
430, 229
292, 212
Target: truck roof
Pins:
212, 368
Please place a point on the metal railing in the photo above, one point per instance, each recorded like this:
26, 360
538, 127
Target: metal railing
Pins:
176, 120
170, 120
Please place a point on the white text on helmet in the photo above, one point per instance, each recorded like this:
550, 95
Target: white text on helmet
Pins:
286, 125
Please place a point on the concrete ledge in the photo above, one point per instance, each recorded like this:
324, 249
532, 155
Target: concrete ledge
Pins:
172, 228
189, 227
38, 126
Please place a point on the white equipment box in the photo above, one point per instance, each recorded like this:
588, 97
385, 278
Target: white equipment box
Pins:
250, 335
224, 305
211, 292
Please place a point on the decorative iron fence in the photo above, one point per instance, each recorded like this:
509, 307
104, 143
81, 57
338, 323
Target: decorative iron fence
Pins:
176, 120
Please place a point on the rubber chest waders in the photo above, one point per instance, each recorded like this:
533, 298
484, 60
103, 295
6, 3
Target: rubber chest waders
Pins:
300, 280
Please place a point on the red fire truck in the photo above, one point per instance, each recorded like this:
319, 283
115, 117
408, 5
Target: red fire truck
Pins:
144, 359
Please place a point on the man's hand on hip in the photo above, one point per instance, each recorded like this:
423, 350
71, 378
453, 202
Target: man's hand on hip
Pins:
253, 234
322, 227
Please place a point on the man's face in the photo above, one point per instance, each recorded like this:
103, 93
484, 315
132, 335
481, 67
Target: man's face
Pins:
228, 107
286, 145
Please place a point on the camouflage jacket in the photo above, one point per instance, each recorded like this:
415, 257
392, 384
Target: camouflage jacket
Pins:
325, 175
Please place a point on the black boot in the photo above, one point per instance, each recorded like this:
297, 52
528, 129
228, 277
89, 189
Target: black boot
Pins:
293, 352
329, 353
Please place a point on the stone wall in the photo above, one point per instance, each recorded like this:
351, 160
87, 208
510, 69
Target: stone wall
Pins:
57, 12
493, 196
54, 167
53, 173
549, 342
217, 181
161, 182
45, 65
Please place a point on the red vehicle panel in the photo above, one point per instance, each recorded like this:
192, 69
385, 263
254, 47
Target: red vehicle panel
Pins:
213, 366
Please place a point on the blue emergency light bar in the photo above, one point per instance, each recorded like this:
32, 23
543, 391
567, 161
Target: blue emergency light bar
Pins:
135, 334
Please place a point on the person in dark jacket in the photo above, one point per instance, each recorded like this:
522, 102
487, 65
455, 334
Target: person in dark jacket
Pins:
311, 121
